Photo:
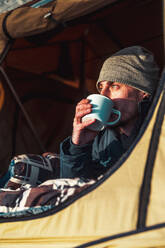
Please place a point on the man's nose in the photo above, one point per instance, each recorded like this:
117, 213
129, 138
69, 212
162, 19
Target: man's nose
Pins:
105, 91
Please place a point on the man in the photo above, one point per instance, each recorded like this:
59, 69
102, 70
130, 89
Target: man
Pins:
129, 78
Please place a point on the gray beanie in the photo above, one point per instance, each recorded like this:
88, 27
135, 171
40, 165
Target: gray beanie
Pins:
134, 66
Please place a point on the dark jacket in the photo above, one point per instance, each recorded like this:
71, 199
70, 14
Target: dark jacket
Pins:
90, 160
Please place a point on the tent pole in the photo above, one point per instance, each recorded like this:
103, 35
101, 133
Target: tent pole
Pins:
5, 51
22, 109
163, 7
82, 69
109, 34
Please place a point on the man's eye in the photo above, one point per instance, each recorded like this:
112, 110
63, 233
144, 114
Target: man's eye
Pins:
100, 87
115, 86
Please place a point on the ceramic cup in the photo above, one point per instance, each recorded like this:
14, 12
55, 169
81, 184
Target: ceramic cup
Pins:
102, 108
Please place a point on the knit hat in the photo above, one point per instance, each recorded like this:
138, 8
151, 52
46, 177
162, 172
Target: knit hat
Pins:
134, 66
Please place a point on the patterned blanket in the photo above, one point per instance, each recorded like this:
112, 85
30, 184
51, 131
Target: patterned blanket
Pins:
29, 192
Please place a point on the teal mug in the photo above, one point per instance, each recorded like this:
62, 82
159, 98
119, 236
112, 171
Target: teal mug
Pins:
102, 108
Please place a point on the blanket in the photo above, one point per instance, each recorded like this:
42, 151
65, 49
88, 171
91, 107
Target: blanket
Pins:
27, 200
29, 192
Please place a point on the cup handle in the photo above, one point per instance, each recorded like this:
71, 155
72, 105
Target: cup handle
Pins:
117, 112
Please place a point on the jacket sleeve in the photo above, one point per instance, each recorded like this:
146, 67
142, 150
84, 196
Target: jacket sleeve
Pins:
77, 161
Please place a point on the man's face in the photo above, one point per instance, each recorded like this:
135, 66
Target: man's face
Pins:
124, 97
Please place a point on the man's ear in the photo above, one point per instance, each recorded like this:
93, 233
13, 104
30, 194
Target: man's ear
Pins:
143, 95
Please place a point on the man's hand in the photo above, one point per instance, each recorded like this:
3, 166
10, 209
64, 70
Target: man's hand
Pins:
81, 134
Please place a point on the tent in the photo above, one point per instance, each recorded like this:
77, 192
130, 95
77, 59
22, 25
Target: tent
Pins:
60, 67
50, 58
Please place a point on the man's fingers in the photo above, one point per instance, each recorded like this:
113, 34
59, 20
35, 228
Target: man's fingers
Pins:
82, 110
81, 107
81, 125
83, 101
81, 113
88, 122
